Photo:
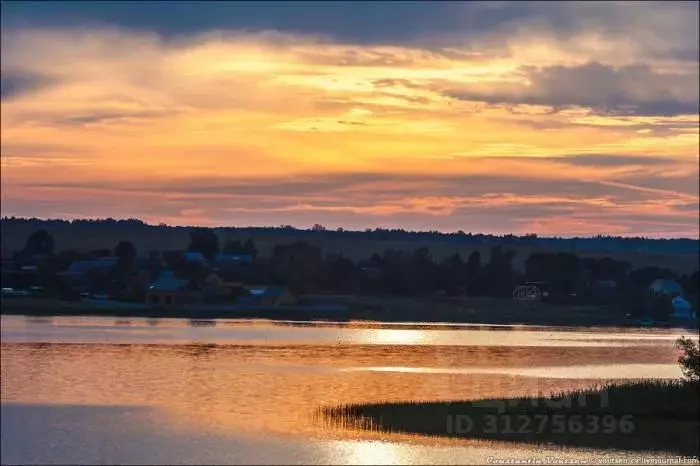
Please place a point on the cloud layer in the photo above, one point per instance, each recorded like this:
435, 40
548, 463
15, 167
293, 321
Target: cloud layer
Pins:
545, 117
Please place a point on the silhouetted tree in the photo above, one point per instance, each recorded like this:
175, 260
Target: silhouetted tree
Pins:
422, 272
155, 264
249, 248
452, 275
607, 268
298, 265
232, 247
474, 273
394, 267
689, 360
563, 272
499, 278
341, 275
65, 258
661, 307
204, 241
125, 252
38, 243
691, 288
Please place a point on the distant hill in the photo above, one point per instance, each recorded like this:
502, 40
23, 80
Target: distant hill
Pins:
679, 254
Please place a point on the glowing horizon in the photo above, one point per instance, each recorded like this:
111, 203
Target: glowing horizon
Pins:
523, 127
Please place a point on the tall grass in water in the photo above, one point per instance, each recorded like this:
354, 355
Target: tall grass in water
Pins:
663, 416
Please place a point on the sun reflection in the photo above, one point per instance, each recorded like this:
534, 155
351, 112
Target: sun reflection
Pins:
371, 452
397, 337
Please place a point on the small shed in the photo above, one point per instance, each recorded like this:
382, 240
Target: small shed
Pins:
170, 291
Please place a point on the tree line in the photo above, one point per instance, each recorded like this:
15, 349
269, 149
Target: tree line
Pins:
304, 269
581, 244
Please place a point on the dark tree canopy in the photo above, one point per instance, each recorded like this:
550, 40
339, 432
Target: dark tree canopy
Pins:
578, 275
125, 251
661, 307
232, 247
126, 254
204, 241
298, 265
249, 248
39, 242
236, 247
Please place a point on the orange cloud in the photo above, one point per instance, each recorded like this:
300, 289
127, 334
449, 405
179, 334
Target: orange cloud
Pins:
129, 109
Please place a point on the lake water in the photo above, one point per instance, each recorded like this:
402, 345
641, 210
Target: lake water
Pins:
109, 390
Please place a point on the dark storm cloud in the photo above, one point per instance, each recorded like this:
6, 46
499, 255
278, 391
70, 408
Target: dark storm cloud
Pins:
345, 20
15, 84
633, 90
382, 21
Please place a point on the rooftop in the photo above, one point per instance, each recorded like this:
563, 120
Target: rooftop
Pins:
167, 281
79, 267
267, 291
666, 284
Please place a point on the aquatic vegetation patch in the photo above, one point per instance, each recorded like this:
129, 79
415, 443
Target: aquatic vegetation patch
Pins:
643, 415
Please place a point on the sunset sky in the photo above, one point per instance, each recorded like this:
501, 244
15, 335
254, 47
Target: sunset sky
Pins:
549, 117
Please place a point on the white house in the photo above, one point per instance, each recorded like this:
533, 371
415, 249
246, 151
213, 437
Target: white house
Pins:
682, 310
662, 286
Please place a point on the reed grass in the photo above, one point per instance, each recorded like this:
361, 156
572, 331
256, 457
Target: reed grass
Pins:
664, 416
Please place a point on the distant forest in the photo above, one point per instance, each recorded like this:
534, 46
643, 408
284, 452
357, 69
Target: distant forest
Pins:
597, 243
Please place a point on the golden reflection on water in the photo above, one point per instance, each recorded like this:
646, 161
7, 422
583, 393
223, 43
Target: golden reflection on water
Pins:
277, 389
65, 329
262, 379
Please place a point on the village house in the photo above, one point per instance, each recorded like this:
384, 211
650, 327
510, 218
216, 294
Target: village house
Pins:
682, 309
665, 287
80, 273
214, 289
82, 267
169, 291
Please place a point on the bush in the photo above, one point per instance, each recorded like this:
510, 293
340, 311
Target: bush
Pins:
690, 359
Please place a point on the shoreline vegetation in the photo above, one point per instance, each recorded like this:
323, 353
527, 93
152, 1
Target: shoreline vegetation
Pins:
214, 277
651, 416
486, 311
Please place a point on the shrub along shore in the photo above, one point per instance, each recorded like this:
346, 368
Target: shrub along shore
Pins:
637, 416
383, 309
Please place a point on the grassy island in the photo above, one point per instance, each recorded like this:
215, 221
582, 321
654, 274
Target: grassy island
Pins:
639, 415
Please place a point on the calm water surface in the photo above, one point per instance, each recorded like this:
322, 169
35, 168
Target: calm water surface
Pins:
106, 390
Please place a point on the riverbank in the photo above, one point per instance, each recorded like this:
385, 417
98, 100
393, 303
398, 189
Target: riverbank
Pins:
486, 311
636, 416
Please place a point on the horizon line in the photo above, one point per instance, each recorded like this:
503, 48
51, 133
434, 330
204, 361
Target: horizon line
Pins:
327, 229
